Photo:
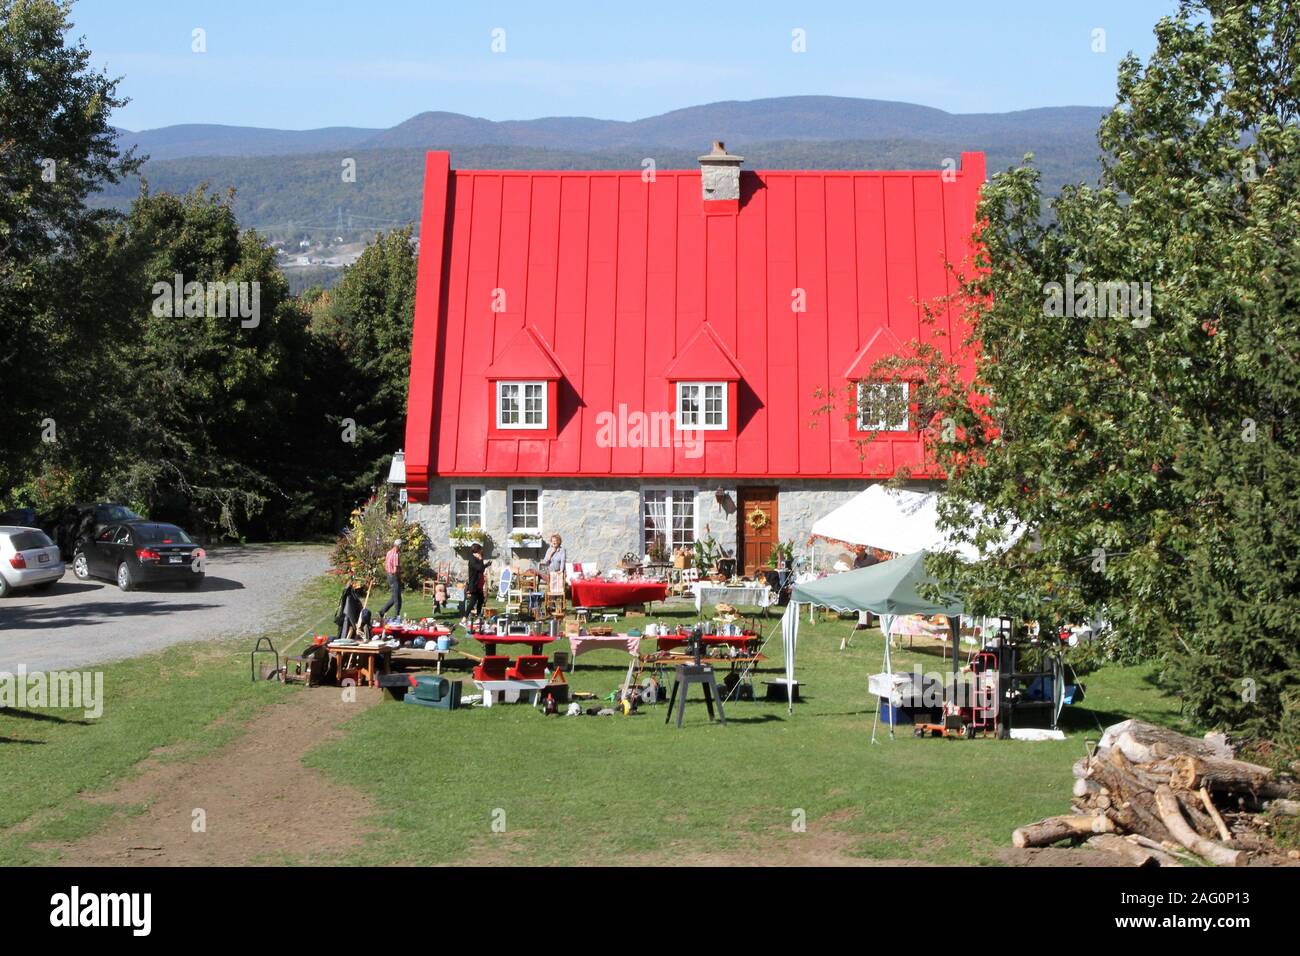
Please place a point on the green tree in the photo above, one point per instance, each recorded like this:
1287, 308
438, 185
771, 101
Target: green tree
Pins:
364, 324
1146, 436
189, 412
56, 148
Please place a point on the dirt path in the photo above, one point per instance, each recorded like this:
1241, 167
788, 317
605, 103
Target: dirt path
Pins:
258, 800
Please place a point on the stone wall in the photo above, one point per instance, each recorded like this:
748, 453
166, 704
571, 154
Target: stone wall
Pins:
600, 520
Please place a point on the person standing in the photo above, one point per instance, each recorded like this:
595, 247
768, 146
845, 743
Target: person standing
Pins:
555, 557
391, 563
554, 563
474, 584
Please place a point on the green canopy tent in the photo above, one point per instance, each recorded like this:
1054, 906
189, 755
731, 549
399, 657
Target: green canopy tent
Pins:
889, 588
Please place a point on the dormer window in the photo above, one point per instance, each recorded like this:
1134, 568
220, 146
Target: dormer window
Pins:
883, 406
521, 405
702, 405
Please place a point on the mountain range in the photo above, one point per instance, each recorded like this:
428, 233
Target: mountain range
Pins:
780, 133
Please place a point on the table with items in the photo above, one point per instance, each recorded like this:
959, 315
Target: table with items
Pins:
746, 595
598, 592
370, 660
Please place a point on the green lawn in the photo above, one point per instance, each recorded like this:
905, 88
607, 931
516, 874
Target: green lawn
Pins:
615, 788
580, 789
177, 704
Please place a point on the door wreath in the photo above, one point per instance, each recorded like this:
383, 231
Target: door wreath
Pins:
758, 519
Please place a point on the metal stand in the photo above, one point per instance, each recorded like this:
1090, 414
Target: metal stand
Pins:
686, 675
259, 649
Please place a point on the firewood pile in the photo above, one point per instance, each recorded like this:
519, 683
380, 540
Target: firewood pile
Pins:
1159, 798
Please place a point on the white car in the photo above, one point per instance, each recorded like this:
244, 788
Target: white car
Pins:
28, 559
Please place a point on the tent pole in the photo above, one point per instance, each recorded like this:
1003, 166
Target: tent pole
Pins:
954, 627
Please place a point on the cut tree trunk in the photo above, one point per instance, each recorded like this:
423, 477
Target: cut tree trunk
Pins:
1224, 833
1219, 776
1055, 829
1171, 815
1144, 743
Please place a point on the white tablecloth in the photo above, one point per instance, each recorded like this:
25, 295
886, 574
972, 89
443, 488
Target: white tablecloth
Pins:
754, 595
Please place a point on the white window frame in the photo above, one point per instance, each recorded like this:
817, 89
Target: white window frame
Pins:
482, 495
510, 510
695, 514
879, 426
522, 385
703, 426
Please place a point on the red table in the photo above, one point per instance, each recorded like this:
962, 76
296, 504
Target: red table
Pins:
594, 592
535, 641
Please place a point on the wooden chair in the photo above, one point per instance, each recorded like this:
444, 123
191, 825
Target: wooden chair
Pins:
688, 577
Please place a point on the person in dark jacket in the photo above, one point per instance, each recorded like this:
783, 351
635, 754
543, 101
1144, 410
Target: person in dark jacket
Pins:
349, 609
474, 585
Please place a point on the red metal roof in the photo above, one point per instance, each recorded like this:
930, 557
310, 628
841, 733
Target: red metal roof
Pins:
622, 283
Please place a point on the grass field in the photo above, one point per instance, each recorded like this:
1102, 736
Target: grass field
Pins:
507, 785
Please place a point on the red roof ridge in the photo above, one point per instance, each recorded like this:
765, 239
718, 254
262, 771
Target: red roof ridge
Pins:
705, 357
526, 356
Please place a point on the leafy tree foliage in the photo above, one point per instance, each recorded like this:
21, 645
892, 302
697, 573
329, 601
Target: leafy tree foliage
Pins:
1149, 443
56, 148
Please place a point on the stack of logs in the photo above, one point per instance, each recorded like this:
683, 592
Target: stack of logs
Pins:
1158, 798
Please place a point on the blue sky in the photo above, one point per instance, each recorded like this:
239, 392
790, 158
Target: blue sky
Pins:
299, 64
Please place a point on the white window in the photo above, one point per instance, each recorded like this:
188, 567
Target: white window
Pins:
702, 405
668, 517
883, 406
526, 511
467, 507
521, 404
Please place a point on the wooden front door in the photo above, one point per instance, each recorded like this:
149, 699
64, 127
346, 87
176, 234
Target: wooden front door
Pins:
755, 535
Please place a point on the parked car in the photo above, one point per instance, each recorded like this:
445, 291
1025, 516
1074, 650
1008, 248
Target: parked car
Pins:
71, 525
139, 552
28, 559
21, 517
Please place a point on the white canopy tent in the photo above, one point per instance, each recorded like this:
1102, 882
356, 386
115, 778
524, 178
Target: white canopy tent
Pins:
896, 520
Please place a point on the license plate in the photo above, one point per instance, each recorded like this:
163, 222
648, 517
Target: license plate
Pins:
43, 559
175, 559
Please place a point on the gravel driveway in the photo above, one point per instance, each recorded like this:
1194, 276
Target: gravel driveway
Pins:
77, 623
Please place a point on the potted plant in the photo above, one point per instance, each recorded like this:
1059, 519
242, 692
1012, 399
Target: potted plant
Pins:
464, 537
782, 554
525, 539
707, 555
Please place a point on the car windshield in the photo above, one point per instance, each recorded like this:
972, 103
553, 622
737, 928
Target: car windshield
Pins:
116, 513
160, 534
30, 540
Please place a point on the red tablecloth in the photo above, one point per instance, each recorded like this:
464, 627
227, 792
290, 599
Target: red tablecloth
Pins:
593, 592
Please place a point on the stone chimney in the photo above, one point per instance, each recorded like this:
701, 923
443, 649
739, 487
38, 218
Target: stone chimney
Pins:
720, 180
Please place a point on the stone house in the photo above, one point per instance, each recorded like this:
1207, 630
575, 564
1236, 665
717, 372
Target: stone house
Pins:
635, 359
